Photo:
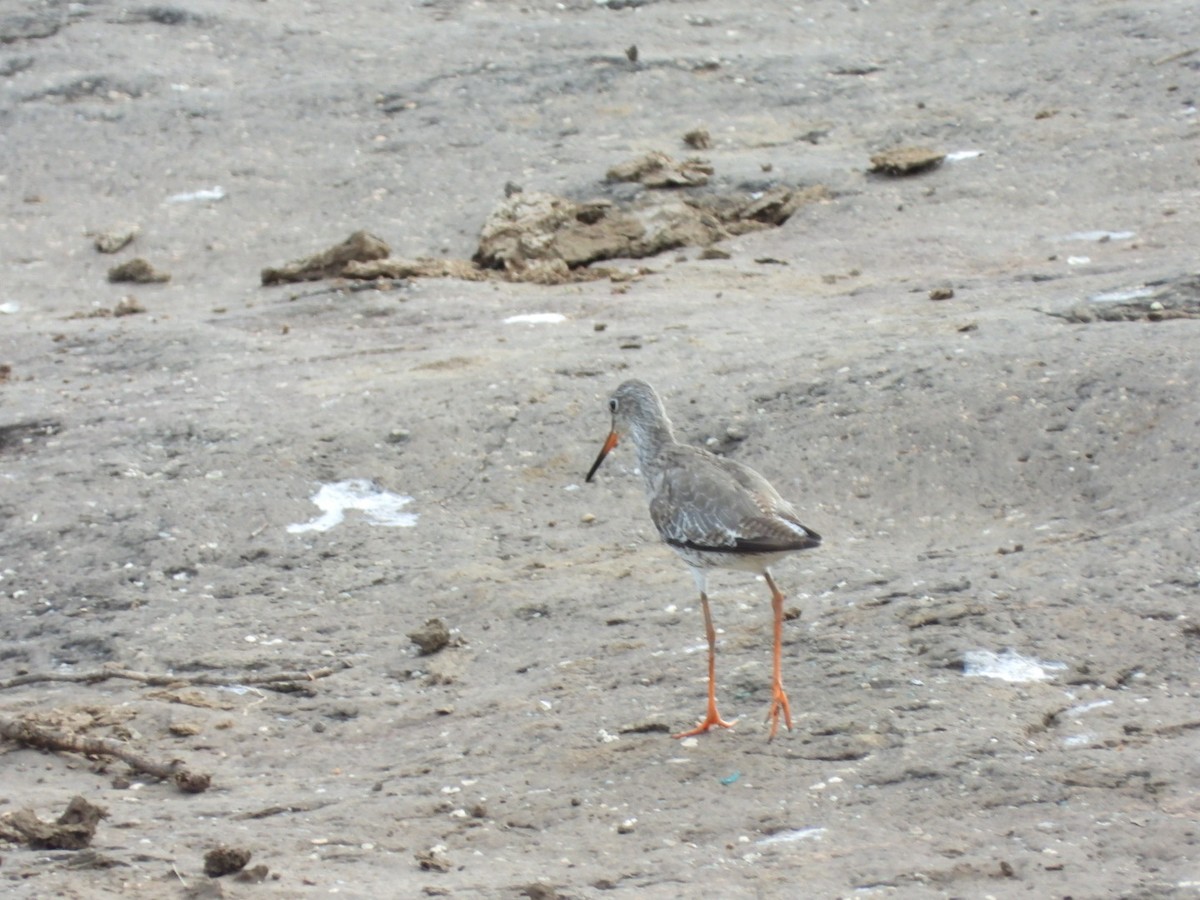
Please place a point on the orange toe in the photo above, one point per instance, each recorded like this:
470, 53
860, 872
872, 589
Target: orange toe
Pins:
713, 718
779, 701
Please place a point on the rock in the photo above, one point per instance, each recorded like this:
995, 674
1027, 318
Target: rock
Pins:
673, 225
905, 160
541, 238
539, 227
73, 830
361, 246
422, 267
780, 203
657, 170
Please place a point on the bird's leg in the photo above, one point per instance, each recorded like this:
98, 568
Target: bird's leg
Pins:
712, 717
779, 699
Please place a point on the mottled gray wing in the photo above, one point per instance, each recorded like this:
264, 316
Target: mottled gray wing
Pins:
705, 502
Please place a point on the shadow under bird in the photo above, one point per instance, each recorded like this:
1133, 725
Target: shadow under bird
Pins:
715, 513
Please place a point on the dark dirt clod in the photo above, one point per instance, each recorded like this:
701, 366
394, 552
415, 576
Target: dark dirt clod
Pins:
698, 139
430, 637
225, 861
137, 271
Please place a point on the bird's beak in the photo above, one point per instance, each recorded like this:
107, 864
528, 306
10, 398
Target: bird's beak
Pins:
609, 443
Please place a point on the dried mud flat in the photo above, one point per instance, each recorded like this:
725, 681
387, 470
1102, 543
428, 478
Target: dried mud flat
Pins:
1007, 483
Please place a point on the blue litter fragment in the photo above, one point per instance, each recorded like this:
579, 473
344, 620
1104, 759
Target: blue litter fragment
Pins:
730, 779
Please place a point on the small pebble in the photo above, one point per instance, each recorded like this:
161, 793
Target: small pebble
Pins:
128, 306
115, 239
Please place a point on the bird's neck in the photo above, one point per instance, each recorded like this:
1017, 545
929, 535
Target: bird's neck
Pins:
651, 440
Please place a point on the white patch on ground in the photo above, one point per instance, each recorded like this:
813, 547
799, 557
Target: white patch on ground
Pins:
1097, 236
794, 834
1008, 666
536, 319
379, 506
1123, 296
213, 193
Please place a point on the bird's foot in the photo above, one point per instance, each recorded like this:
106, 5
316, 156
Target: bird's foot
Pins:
711, 719
779, 701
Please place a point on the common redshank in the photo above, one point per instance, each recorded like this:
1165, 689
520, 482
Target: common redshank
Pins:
715, 513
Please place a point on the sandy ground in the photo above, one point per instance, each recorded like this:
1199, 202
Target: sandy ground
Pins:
1001, 490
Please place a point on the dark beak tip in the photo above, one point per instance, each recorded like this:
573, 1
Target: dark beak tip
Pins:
592, 471
604, 451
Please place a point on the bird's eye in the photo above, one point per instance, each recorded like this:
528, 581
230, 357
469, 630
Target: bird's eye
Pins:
612, 405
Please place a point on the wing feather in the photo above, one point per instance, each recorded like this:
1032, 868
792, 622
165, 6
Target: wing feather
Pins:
706, 502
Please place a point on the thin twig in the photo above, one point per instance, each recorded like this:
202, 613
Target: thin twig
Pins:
283, 682
31, 735
1182, 54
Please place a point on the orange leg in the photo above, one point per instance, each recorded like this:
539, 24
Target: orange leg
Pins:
712, 717
778, 697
